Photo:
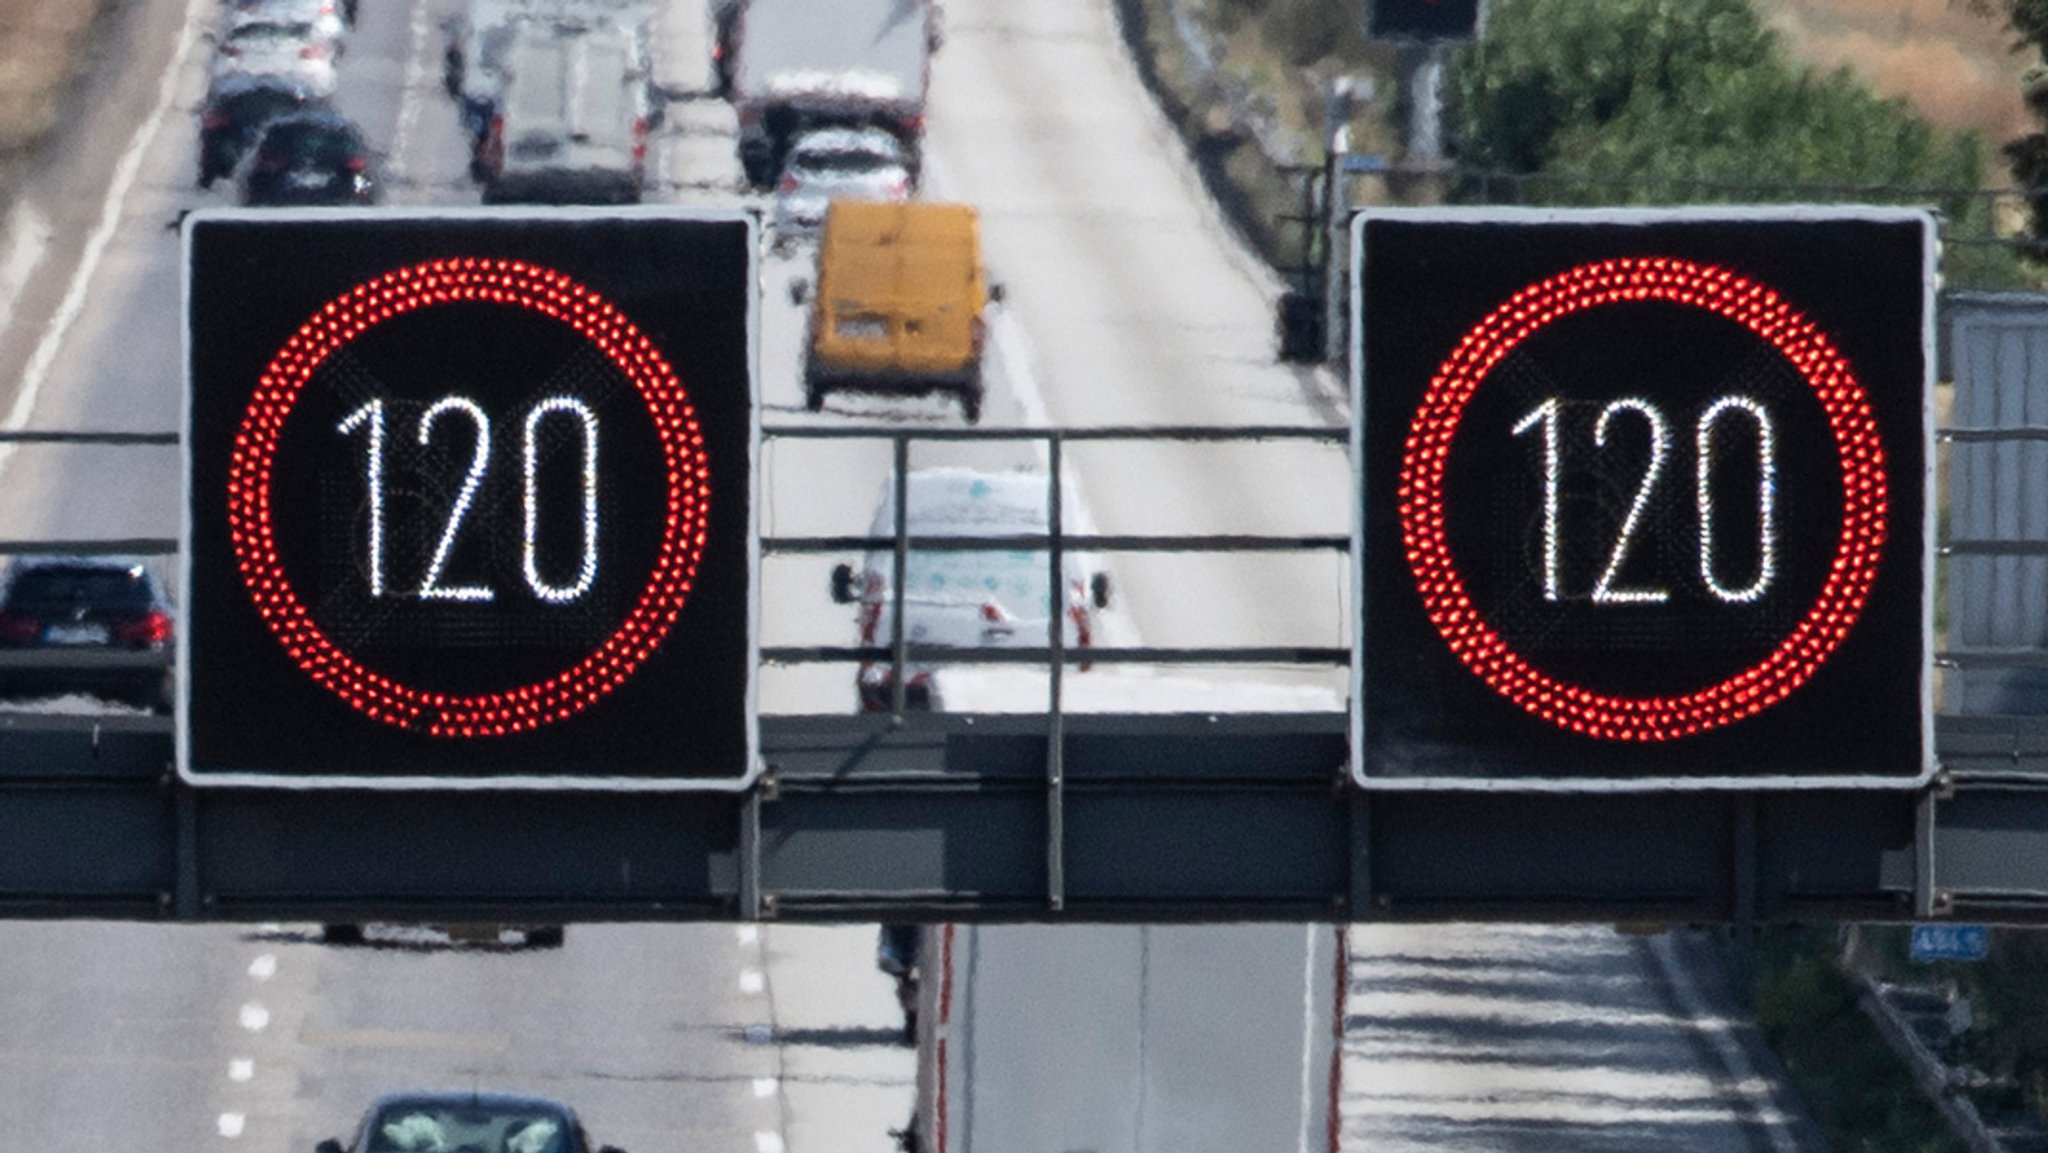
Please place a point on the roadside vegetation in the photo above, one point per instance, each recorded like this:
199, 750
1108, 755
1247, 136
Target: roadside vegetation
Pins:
1852, 1085
1588, 102
43, 47
2006, 1046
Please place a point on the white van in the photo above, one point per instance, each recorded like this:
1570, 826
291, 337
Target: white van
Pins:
960, 598
571, 127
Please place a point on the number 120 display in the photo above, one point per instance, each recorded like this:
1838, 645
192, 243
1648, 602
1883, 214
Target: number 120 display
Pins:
1643, 498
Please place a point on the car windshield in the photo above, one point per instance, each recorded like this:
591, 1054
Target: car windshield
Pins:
267, 32
258, 104
318, 143
99, 587
423, 1127
841, 160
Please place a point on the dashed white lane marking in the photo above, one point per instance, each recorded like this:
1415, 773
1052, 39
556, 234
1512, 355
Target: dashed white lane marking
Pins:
255, 1018
751, 981
409, 100
264, 967
241, 1069
26, 243
749, 934
125, 172
231, 1124
765, 1086
765, 1142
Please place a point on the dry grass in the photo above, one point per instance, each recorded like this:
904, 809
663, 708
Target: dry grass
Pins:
42, 43
1954, 62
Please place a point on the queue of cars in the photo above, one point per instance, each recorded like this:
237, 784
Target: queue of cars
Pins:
267, 121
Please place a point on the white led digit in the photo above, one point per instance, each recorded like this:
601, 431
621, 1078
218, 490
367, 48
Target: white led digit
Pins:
588, 572
431, 587
1766, 498
372, 413
1604, 591
1546, 415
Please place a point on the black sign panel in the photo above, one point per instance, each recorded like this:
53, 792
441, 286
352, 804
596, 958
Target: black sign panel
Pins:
1643, 497
469, 499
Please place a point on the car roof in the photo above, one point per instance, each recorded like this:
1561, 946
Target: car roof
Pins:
968, 502
229, 85
125, 564
315, 117
846, 139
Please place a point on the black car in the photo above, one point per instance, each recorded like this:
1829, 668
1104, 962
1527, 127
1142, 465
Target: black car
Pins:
236, 110
467, 1122
69, 604
313, 157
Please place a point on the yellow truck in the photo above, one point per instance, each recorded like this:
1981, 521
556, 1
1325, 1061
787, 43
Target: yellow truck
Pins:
899, 301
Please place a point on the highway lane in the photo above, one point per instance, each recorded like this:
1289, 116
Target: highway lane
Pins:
1554, 1038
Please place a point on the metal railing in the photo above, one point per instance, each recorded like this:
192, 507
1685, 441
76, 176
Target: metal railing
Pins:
1057, 543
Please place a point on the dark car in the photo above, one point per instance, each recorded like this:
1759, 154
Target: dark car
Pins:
232, 119
467, 1122
315, 157
68, 604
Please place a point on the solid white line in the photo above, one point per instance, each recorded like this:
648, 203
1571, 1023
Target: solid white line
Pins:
1308, 1029
125, 172
409, 99
1747, 1082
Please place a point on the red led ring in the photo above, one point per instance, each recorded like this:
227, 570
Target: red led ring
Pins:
1851, 574
492, 281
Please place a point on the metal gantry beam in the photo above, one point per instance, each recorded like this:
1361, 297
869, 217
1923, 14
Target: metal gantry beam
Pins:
1166, 818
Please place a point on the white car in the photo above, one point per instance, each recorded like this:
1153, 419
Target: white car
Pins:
329, 18
965, 599
833, 163
293, 50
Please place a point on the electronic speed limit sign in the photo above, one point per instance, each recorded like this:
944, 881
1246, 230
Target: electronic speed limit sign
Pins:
1643, 498
469, 499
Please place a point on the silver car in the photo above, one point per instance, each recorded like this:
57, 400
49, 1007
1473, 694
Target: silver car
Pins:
294, 50
832, 163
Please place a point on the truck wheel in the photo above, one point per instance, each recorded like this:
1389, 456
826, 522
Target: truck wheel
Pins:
970, 403
814, 397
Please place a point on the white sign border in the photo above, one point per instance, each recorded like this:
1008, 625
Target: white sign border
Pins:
524, 783
1537, 217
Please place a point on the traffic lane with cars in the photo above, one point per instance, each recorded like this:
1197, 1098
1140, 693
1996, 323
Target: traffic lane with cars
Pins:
110, 357
643, 1029
1131, 302
191, 1050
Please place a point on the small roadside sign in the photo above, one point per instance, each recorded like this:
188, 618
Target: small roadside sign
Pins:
1950, 943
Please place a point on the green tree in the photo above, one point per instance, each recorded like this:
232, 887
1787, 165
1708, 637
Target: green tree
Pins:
1646, 101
